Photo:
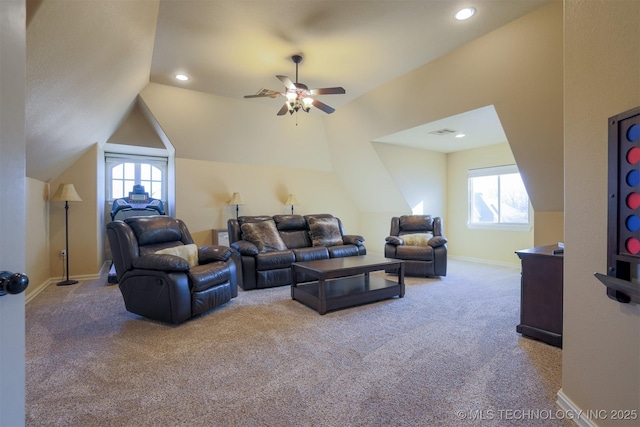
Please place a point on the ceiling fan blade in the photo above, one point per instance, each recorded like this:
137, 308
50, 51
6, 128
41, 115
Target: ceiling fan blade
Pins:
328, 91
264, 93
301, 86
321, 106
287, 82
284, 110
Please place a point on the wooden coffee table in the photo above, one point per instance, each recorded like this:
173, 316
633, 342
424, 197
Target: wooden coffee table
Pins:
345, 282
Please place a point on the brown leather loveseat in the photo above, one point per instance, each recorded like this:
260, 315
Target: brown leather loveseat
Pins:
268, 245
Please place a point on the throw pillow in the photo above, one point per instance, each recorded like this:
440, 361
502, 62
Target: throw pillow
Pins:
325, 232
264, 235
186, 252
416, 239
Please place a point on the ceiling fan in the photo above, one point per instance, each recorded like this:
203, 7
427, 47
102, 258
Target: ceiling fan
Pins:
299, 96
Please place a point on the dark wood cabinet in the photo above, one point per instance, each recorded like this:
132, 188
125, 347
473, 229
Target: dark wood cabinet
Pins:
541, 294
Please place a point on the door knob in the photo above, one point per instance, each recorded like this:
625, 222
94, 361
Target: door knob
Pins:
12, 283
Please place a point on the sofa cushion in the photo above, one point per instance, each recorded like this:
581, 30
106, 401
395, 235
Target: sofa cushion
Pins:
325, 232
207, 254
205, 276
311, 253
343, 251
296, 239
416, 223
153, 230
290, 222
264, 235
186, 252
160, 262
418, 253
275, 259
437, 241
416, 239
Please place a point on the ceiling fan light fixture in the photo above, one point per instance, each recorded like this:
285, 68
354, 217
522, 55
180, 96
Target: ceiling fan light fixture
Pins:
299, 96
464, 14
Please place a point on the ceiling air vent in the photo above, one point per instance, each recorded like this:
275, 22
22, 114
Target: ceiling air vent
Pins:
443, 131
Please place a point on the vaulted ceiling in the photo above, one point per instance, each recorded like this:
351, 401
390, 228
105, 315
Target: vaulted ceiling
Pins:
88, 60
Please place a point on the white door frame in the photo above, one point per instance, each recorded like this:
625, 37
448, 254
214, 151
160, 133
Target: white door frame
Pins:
12, 207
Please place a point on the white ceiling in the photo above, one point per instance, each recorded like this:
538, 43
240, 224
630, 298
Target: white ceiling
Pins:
480, 127
87, 61
234, 48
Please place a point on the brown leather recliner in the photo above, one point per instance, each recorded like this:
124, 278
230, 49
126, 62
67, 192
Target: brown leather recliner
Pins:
163, 275
418, 240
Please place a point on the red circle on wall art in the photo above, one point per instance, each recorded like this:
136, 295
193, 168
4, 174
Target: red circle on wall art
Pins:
633, 245
633, 155
633, 200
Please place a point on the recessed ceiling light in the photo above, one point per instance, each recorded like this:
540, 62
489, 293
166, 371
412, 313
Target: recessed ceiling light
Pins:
460, 135
465, 13
181, 77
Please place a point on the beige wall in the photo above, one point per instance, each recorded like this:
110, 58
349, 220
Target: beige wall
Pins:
37, 235
201, 126
516, 68
420, 175
479, 244
232, 135
203, 189
601, 337
549, 228
85, 228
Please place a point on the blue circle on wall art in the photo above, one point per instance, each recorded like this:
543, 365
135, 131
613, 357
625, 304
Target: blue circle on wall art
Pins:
633, 223
633, 134
633, 178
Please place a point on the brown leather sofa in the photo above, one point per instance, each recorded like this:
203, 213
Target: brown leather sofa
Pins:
163, 275
418, 240
268, 245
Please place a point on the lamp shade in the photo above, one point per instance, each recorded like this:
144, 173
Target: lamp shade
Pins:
66, 193
236, 199
291, 200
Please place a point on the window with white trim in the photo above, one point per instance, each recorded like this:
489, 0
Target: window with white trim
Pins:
498, 198
124, 171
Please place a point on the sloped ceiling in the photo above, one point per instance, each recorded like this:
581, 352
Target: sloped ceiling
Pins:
88, 60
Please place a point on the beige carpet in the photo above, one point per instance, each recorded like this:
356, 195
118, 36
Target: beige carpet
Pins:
447, 354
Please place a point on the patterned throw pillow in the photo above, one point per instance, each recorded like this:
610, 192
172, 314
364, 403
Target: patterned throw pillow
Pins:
416, 239
264, 235
325, 232
186, 252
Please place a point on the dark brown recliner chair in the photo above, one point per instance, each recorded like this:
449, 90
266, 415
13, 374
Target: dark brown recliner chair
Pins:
163, 275
418, 240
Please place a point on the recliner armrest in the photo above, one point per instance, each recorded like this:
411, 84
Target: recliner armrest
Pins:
161, 262
213, 253
352, 239
394, 240
436, 241
245, 248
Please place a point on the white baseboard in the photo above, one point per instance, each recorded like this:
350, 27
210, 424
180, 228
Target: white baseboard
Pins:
573, 411
34, 291
485, 261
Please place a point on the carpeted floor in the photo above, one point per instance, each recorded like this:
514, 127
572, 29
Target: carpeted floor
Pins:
447, 354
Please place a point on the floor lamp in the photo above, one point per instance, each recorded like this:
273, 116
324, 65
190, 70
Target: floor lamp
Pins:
66, 193
236, 199
291, 201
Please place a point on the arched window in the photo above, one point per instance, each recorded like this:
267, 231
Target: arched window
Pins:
124, 171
